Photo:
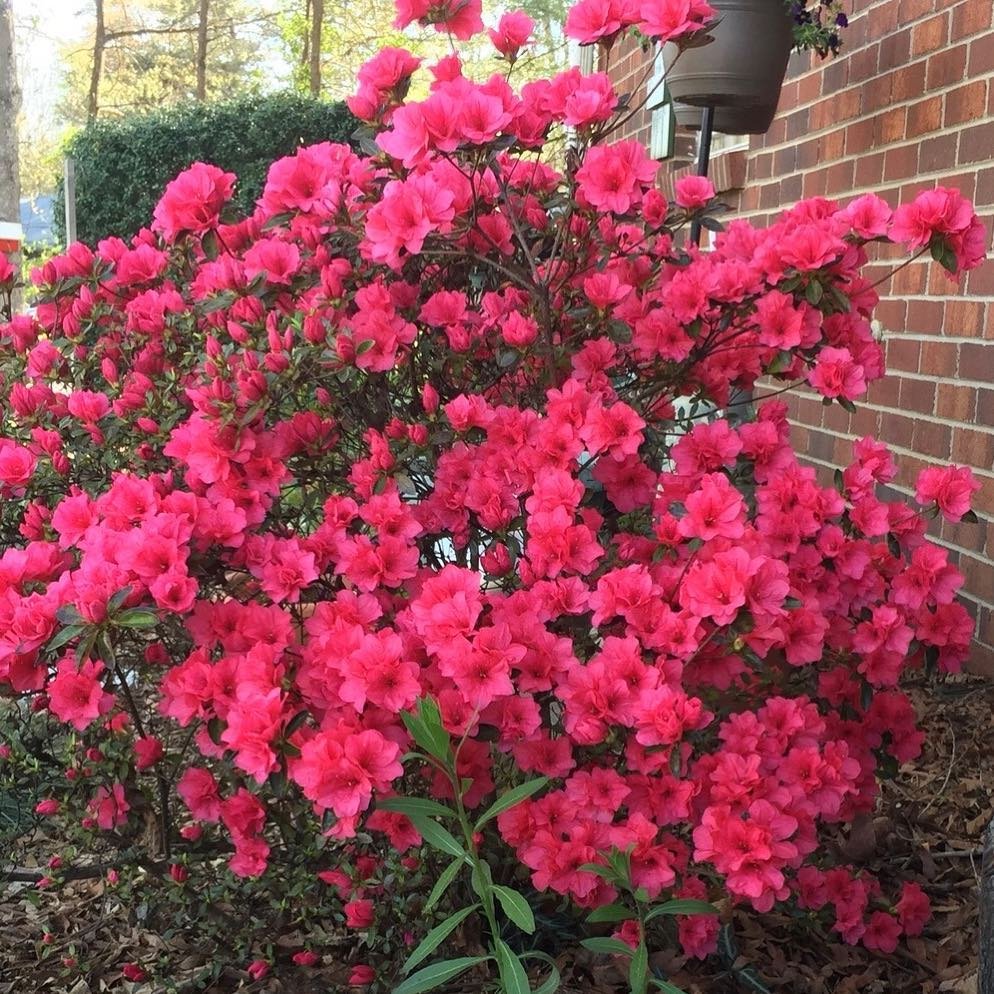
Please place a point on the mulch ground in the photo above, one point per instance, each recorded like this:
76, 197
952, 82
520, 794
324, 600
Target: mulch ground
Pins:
928, 827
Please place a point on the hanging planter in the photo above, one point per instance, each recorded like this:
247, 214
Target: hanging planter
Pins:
754, 120
740, 70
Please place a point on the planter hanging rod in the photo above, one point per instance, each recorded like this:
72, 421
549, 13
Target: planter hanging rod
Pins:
703, 161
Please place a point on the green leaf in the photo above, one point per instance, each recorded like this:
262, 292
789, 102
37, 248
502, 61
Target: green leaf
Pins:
415, 806
68, 615
294, 723
607, 946
682, 906
513, 979
426, 728
665, 986
438, 837
437, 974
210, 244
748, 978
277, 221
443, 882
436, 937
780, 362
510, 799
604, 872
137, 617
214, 729
118, 599
67, 634
728, 948
970, 517
483, 882
86, 643
638, 970
846, 404
551, 984
610, 913
813, 292
516, 908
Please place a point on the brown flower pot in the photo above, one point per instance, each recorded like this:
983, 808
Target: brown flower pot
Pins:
740, 70
754, 120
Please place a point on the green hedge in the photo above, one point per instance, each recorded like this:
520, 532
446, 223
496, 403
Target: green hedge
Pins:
123, 164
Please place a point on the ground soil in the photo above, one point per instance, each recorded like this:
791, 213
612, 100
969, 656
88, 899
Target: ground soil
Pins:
928, 827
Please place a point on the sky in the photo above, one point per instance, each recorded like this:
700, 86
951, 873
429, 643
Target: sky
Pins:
42, 27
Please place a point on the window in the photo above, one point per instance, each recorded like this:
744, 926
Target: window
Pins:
662, 122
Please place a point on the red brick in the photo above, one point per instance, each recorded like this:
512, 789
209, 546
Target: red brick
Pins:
910, 280
939, 358
979, 577
946, 67
981, 661
840, 177
809, 88
917, 395
973, 448
956, 403
932, 439
925, 315
901, 162
975, 355
796, 125
924, 116
908, 82
913, 10
884, 392
985, 408
966, 318
892, 313
833, 145
930, 35
893, 125
975, 143
904, 354
895, 429
981, 281
860, 136
970, 18
863, 61
821, 445
981, 58
895, 50
769, 196
965, 103
815, 183
972, 537
937, 154
869, 169
836, 420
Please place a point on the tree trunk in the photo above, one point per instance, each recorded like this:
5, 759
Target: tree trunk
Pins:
99, 41
203, 14
317, 19
10, 106
305, 51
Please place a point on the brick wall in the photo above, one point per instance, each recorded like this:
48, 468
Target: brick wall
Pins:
909, 105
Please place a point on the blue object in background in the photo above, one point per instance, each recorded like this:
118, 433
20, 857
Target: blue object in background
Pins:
36, 219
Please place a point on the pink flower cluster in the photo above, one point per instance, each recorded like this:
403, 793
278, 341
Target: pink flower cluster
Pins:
410, 430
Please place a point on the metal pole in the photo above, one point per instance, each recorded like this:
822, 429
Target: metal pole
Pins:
703, 161
69, 190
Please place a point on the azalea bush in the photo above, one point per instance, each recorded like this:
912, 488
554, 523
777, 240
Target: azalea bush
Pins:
408, 556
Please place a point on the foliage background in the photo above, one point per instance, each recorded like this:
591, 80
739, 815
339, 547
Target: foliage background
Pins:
123, 165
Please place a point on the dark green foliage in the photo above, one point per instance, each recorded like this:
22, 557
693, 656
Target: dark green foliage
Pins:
123, 164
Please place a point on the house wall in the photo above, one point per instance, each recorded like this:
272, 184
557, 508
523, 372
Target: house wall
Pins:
909, 105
